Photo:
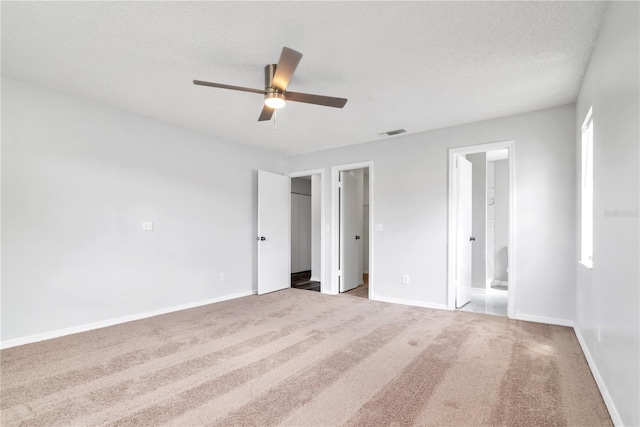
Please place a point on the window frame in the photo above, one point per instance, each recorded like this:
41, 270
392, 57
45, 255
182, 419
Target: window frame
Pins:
586, 191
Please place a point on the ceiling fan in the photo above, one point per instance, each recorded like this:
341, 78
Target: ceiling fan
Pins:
276, 80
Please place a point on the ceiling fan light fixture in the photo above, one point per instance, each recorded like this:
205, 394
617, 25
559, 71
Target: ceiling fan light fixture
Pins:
275, 100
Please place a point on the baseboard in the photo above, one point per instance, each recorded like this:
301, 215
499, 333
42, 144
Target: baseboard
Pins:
611, 407
110, 322
315, 279
543, 319
409, 302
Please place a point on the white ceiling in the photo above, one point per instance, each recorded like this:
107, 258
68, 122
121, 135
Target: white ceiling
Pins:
411, 65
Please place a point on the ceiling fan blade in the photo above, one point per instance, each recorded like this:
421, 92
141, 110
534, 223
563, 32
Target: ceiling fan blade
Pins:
289, 60
221, 86
266, 114
327, 101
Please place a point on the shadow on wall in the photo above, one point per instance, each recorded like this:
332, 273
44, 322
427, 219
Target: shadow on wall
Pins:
501, 264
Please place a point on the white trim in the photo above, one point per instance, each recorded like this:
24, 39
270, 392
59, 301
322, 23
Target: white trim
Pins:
453, 154
585, 256
110, 322
316, 279
408, 302
335, 235
588, 118
613, 412
324, 287
546, 320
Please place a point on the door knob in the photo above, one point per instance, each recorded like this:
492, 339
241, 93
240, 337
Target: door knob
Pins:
357, 237
261, 238
472, 239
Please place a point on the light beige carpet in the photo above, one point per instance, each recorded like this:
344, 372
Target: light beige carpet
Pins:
301, 358
361, 291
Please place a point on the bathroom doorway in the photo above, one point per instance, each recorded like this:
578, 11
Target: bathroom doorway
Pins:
480, 229
352, 249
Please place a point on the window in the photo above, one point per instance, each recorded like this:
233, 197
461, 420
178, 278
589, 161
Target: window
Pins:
586, 192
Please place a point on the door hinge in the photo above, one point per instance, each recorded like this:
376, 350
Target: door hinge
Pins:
339, 273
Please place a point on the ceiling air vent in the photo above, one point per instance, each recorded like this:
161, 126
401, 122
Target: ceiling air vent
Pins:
393, 132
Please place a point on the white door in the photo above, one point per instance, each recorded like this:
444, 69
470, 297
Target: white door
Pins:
463, 232
351, 194
274, 240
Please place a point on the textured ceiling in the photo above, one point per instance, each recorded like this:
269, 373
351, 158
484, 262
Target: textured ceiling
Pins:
413, 65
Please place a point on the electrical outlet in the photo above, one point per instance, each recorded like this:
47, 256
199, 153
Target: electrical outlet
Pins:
222, 277
405, 279
147, 226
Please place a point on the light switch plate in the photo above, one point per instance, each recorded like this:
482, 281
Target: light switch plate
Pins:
378, 227
147, 226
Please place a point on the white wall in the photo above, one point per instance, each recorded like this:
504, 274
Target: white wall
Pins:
78, 179
608, 297
409, 177
501, 216
479, 218
491, 223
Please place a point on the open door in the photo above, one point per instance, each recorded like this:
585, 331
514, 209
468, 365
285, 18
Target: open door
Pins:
464, 238
351, 215
274, 240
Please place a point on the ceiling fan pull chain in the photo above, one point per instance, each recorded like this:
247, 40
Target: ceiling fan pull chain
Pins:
275, 120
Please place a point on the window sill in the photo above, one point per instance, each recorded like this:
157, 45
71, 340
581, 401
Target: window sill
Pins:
587, 264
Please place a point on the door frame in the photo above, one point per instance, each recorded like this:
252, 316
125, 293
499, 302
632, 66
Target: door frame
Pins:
335, 218
324, 287
452, 213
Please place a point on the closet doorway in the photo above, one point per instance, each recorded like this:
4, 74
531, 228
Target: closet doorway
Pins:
306, 230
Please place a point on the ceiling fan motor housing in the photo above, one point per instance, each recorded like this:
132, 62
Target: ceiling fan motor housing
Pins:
273, 98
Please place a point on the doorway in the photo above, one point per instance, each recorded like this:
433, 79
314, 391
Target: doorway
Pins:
352, 219
307, 240
481, 217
